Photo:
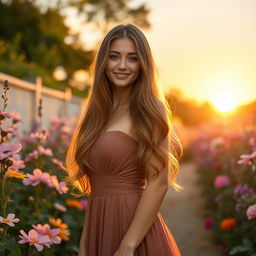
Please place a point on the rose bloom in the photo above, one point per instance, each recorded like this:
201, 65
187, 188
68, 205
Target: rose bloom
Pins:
251, 212
221, 181
228, 224
208, 223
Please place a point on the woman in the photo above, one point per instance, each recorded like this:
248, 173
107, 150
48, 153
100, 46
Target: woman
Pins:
125, 152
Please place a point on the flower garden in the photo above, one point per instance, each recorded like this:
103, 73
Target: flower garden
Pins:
37, 213
226, 164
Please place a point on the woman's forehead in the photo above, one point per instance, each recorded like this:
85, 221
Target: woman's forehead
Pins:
123, 45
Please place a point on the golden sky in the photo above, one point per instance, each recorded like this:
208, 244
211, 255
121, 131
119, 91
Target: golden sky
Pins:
205, 48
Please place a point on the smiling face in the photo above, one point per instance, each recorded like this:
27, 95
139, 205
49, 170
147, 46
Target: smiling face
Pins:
123, 62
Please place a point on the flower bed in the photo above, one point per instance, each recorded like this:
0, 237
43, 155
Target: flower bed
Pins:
226, 160
37, 212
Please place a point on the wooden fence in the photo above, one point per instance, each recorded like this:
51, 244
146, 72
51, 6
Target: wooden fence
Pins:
24, 96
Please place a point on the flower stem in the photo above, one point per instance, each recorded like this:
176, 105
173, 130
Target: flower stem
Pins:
30, 251
3, 196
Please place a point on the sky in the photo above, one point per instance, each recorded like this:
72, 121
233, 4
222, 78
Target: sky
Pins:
205, 48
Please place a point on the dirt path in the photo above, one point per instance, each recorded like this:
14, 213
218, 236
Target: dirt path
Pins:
182, 213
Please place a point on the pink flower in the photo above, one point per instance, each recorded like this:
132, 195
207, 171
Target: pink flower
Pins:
4, 115
60, 207
34, 179
47, 231
36, 153
62, 188
9, 149
46, 178
38, 135
16, 163
252, 142
251, 212
9, 220
246, 159
208, 223
57, 162
221, 181
53, 181
16, 116
33, 238
44, 151
31, 156
9, 130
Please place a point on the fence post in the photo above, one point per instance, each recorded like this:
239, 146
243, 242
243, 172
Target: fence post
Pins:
68, 96
38, 95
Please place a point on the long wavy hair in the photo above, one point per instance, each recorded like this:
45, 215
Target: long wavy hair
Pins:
145, 111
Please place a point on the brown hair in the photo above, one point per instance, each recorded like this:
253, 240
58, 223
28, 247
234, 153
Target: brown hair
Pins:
144, 108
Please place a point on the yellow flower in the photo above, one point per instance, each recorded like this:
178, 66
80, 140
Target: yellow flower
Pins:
64, 231
15, 174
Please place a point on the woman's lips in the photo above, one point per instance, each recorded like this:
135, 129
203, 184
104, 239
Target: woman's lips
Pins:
121, 75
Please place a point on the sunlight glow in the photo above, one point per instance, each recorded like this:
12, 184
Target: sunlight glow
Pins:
224, 101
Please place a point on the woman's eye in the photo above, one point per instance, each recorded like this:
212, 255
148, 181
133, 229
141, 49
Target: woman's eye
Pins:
113, 57
133, 59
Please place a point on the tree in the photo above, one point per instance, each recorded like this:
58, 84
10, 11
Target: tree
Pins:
33, 35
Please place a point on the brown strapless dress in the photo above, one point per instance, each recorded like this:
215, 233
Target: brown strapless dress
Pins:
116, 187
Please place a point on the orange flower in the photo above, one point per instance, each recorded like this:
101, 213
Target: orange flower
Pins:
228, 224
64, 231
74, 203
15, 174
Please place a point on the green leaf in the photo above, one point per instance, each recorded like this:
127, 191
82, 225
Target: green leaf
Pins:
238, 249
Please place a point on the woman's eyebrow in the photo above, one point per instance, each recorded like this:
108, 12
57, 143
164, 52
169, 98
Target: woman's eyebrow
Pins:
129, 53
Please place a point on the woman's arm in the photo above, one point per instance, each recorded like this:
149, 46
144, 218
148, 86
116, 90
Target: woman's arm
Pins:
145, 214
82, 251
147, 208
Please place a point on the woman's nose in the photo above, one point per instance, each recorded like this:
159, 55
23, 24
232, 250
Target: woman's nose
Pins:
122, 63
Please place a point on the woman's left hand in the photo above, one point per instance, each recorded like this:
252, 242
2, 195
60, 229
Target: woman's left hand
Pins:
124, 251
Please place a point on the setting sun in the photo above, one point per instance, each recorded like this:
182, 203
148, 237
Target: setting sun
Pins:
224, 101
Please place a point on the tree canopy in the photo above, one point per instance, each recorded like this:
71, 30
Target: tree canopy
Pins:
33, 33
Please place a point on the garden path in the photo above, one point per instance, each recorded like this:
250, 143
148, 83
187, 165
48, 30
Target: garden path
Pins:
182, 212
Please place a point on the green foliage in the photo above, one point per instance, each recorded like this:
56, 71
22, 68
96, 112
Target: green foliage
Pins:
32, 36
32, 44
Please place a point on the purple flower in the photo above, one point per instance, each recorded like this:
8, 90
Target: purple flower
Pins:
251, 212
242, 190
83, 203
221, 181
